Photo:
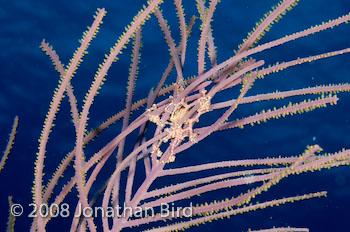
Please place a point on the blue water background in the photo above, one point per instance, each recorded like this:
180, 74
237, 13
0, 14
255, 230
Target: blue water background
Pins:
28, 79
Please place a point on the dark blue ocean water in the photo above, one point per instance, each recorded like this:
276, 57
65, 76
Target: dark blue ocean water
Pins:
28, 79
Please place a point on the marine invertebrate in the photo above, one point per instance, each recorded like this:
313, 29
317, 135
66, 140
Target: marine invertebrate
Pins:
178, 124
9, 143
